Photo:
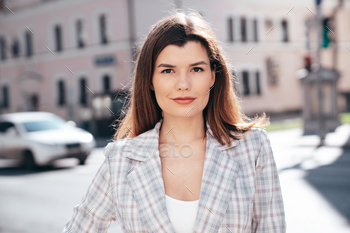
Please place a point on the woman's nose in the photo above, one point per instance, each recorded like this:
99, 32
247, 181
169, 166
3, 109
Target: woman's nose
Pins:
184, 81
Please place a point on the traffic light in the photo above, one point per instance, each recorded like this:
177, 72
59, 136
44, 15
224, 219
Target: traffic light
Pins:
326, 33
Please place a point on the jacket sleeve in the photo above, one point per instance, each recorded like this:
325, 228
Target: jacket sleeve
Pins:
96, 210
268, 208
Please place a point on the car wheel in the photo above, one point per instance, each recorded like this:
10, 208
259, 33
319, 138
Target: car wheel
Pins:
82, 160
28, 161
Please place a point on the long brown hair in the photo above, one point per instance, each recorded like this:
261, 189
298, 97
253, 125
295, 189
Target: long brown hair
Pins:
223, 111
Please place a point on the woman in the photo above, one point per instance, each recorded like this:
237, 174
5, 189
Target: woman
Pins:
185, 157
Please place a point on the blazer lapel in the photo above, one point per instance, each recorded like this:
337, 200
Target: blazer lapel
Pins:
218, 181
147, 185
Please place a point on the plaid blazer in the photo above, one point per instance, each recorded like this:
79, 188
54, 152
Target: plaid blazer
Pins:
240, 189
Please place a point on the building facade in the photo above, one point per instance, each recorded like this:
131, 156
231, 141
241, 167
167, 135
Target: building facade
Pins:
57, 55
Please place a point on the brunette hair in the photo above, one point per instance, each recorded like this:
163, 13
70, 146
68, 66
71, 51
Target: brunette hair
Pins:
223, 111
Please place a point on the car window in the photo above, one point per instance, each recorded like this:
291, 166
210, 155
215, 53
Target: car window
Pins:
5, 125
47, 124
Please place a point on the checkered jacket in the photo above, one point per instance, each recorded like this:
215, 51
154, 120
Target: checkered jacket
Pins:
240, 189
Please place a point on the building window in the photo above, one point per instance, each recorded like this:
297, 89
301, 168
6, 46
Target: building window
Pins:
29, 44
243, 29
61, 93
255, 30
257, 81
5, 97
103, 29
251, 83
83, 94
79, 30
2, 48
272, 69
245, 76
285, 36
268, 25
106, 83
58, 37
15, 48
230, 29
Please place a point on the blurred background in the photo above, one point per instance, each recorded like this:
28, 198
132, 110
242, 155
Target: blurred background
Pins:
66, 70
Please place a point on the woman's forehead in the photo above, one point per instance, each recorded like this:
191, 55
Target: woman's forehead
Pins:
192, 51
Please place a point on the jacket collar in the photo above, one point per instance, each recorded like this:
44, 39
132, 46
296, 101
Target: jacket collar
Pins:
145, 145
146, 182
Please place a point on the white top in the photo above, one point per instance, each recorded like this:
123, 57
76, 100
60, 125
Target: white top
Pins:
182, 214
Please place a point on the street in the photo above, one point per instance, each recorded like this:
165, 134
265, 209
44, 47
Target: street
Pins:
315, 185
315, 181
43, 201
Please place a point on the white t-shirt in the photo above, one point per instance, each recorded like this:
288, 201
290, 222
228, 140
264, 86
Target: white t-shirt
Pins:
182, 214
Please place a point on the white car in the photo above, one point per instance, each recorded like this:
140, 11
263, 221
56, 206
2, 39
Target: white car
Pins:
39, 138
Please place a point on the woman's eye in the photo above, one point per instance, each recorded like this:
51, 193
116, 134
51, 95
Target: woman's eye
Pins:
166, 70
197, 69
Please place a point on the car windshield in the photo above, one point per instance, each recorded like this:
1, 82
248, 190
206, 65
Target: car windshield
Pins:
47, 124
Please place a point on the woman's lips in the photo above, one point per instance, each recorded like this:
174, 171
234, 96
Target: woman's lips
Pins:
186, 101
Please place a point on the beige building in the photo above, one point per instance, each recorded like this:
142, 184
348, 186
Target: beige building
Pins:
58, 55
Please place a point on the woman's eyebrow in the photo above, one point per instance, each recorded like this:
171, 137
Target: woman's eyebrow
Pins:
172, 66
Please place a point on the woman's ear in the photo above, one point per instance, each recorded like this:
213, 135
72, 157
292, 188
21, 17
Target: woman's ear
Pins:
151, 87
213, 76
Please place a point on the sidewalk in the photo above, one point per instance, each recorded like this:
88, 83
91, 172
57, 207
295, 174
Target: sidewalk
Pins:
315, 181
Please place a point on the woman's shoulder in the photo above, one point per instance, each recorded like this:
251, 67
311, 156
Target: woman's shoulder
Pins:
256, 134
116, 153
118, 148
254, 139
254, 144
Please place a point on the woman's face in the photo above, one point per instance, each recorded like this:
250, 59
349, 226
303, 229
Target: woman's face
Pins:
183, 72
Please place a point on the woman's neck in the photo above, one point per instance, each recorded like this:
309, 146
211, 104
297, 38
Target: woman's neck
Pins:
184, 130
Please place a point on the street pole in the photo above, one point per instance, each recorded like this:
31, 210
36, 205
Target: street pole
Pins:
334, 41
318, 23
